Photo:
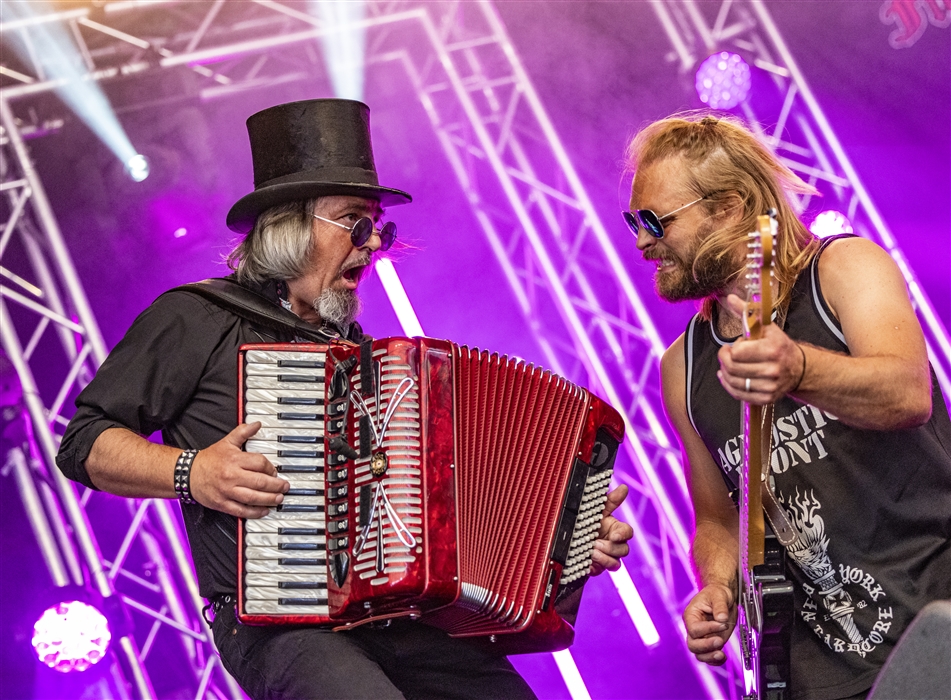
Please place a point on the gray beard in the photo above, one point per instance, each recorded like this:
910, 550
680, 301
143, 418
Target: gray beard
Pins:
338, 307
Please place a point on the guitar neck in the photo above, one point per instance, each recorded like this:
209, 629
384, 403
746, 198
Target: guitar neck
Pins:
756, 435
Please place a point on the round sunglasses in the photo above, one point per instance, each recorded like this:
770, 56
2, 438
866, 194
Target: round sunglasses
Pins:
361, 231
649, 221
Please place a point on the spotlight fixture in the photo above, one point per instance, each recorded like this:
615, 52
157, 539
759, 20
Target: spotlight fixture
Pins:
137, 167
723, 80
71, 636
830, 223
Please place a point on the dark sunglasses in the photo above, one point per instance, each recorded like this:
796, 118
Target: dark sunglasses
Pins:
361, 231
649, 221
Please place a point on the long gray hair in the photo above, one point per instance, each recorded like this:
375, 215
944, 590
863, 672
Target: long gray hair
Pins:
279, 246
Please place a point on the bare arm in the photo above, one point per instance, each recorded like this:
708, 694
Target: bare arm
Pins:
711, 615
223, 477
883, 384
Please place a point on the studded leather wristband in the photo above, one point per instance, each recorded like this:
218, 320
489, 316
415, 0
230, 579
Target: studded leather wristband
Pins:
183, 472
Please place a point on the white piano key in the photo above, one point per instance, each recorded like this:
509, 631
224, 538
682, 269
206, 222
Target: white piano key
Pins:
290, 519
272, 356
273, 540
266, 434
256, 580
291, 425
270, 607
272, 382
271, 566
271, 396
273, 525
272, 553
315, 480
273, 594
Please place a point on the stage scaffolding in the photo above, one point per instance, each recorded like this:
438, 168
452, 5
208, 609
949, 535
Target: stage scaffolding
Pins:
791, 122
550, 243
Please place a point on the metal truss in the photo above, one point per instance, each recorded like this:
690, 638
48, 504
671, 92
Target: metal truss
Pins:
792, 123
141, 578
555, 252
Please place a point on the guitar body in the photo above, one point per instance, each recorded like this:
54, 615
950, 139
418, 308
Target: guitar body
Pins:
775, 592
765, 597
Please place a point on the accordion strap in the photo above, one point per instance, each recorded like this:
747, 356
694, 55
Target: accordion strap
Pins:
254, 307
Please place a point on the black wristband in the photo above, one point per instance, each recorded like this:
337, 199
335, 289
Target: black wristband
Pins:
803, 373
183, 472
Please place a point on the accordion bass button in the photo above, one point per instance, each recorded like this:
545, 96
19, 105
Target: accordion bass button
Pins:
340, 568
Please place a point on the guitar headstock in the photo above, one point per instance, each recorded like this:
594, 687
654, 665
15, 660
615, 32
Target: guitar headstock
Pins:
759, 275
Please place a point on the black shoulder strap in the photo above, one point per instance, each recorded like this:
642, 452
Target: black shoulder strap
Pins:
250, 305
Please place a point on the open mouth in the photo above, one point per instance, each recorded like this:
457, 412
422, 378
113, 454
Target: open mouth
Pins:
661, 263
354, 274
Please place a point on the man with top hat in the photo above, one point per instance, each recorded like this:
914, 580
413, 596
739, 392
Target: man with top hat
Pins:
312, 226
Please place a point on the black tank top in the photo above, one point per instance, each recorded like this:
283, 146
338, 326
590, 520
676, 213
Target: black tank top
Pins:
874, 507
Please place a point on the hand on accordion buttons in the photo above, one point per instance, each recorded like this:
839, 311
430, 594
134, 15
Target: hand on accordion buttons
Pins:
243, 484
611, 544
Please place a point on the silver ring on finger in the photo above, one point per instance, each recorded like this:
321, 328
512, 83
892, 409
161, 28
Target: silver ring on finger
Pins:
747, 383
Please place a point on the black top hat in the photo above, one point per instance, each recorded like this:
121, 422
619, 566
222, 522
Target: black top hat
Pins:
308, 149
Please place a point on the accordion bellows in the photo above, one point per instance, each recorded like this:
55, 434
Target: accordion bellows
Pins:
428, 480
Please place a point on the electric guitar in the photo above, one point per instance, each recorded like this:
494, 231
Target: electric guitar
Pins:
765, 596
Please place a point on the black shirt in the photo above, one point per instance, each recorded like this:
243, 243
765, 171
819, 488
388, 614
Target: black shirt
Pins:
175, 371
873, 508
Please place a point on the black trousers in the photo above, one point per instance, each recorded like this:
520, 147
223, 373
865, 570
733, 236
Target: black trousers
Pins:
406, 660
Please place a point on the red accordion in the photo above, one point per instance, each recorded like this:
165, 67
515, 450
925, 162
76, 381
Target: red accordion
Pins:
428, 480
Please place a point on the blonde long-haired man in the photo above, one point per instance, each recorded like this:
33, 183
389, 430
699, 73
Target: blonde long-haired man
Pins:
861, 441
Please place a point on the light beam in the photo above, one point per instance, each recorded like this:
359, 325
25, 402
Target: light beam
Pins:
54, 52
344, 45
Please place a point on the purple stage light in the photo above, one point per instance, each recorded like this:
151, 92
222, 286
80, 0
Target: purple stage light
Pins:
180, 232
71, 636
830, 223
723, 80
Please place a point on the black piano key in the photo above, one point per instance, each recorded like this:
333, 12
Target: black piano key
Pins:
299, 508
300, 546
301, 601
298, 416
302, 585
301, 454
297, 469
300, 439
291, 561
309, 531
304, 364
304, 492
299, 400
299, 379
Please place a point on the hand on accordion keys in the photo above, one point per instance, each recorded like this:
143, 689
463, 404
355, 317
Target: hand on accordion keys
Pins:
226, 478
613, 536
